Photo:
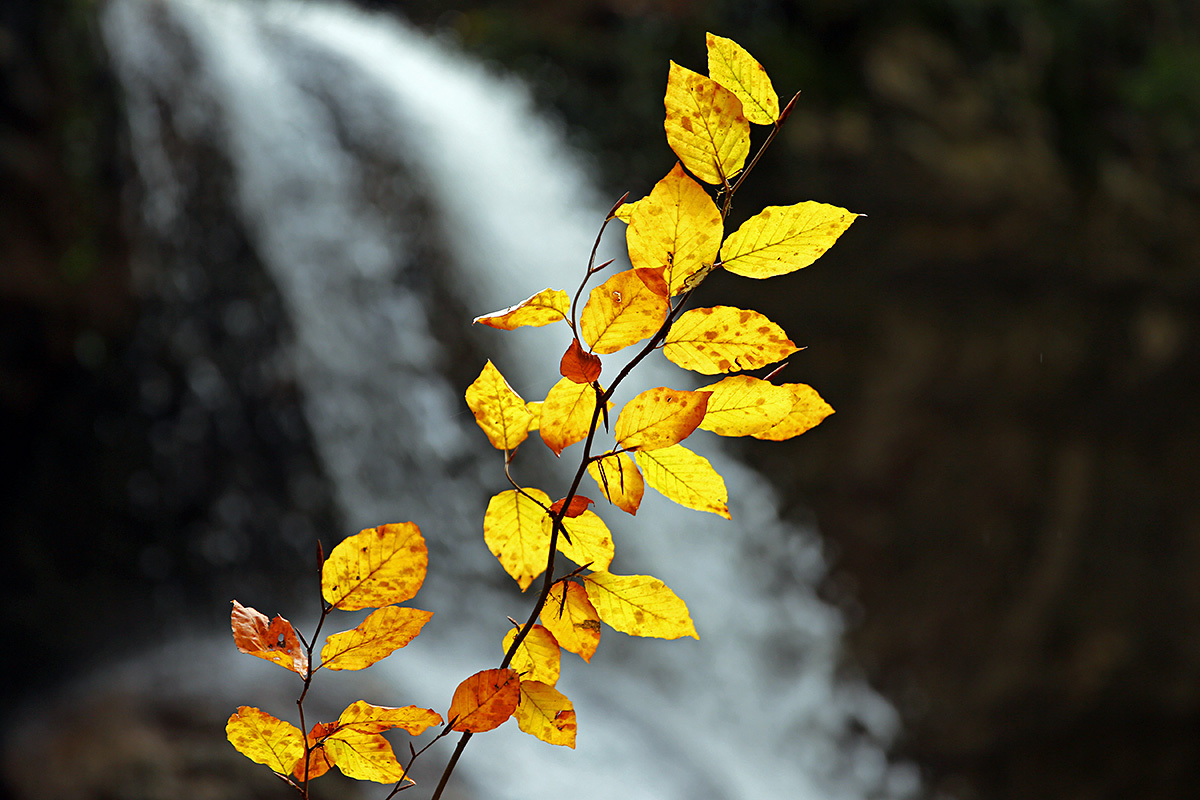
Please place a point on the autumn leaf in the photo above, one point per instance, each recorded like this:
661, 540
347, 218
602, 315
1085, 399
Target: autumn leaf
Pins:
545, 307
319, 761
546, 713
500, 411
725, 339
741, 406
655, 279
535, 415
731, 66
619, 479
570, 616
639, 605
577, 506
363, 756
620, 312
375, 638
590, 542
808, 409
485, 700
684, 477
578, 365
513, 530
625, 211
676, 229
567, 414
375, 568
705, 125
274, 640
264, 739
659, 417
370, 718
538, 657
783, 239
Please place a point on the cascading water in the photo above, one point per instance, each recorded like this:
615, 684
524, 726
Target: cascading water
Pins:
296, 96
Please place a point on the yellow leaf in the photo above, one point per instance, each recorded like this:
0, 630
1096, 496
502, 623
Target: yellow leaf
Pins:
567, 414
782, 239
363, 756
620, 312
659, 417
705, 125
731, 66
591, 542
375, 568
274, 640
545, 307
625, 211
677, 229
639, 605
498, 409
570, 616
538, 658
375, 638
546, 713
512, 529
741, 406
364, 716
485, 700
725, 339
620, 480
264, 739
808, 409
535, 415
684, 477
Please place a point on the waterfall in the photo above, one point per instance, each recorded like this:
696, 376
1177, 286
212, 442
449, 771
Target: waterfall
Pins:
295, 96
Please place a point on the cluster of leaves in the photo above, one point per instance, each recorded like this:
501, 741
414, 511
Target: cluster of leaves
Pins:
676, 238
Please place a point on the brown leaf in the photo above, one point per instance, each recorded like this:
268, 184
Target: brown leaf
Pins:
579, 504
274, 640
579, 365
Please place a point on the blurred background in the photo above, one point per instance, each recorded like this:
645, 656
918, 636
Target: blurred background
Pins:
1011, 338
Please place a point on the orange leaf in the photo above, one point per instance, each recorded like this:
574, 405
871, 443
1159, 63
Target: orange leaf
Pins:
567, 414
275, 640
546, 713
578, 365
264, 739
590, 544
620, 480
544, 308
639, 605
318, 763
579, 504
375, 567
684, 477
705, 125
659, 417
742, 406
655, 279
500, 411
538, 657
485, 700
513, 531
620, 312
808, 409
725, 339
570, 616
375, 638
677, 229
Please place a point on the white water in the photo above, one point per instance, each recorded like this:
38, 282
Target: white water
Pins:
754, 709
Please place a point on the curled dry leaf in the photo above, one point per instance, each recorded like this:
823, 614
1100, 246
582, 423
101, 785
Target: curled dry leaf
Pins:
578, 365
578, 505
272, 639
